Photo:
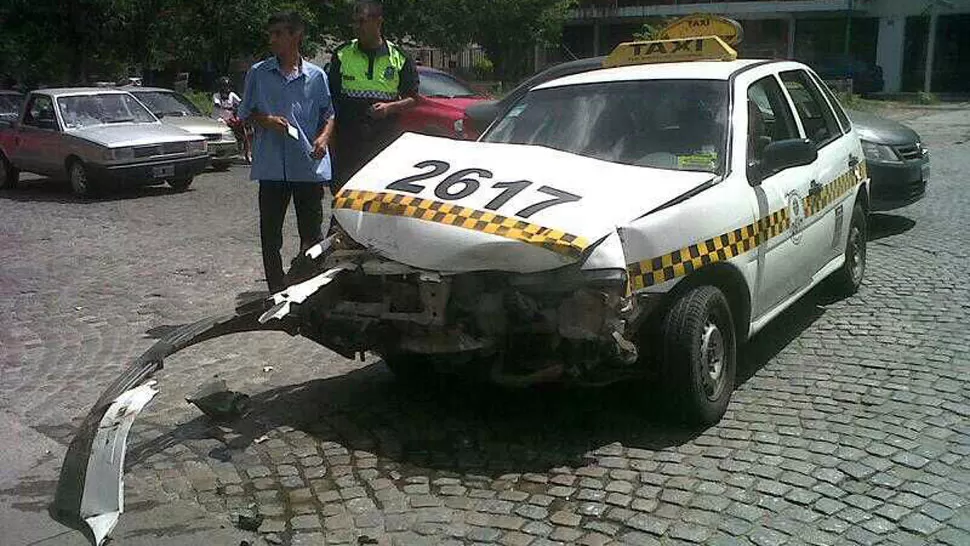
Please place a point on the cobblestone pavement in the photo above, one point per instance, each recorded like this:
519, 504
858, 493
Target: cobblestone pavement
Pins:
851, 424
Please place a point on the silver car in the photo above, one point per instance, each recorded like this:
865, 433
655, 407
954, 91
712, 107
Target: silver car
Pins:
175, 109
99, 138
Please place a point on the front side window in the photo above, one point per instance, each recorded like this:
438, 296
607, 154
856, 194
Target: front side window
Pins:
769, 117
101, 109
817, 118
40, 113
167, 104
667, 124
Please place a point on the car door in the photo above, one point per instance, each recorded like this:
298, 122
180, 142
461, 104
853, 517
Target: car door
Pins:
784, 266
834, 175
38, 137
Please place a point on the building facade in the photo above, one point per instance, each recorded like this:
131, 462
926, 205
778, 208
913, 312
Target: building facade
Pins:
919, 45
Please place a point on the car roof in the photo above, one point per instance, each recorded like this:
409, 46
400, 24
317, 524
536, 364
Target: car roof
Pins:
67, 91
696, 70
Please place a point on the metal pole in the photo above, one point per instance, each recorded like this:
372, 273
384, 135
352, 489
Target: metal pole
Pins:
930, 51
848, 30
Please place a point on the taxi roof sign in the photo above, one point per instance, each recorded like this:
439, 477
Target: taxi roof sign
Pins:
703, 48
703, 24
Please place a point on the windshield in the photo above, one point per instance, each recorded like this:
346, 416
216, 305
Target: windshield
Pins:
88, 110
667, 124
438, 85
163, 103
9, 104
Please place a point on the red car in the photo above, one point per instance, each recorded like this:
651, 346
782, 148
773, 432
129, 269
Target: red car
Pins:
441, 107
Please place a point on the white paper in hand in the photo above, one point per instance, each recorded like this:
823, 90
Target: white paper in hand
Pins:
291, 130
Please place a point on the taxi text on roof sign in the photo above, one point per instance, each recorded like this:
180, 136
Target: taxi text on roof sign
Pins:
703, 24
705, 48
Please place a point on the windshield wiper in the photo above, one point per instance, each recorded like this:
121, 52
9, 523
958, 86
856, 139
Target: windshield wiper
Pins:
120, 120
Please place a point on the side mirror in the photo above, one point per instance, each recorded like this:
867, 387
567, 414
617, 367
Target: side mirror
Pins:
781, 155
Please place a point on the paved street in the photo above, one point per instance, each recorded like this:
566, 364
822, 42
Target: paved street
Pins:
851, 424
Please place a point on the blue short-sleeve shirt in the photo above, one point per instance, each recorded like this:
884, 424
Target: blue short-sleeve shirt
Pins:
304, 100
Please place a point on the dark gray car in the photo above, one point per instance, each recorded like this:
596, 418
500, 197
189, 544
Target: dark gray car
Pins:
897, 162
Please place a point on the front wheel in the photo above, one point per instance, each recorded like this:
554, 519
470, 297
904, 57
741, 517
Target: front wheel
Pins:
81, 183
848, 278
181, 184
699, 355
9, 176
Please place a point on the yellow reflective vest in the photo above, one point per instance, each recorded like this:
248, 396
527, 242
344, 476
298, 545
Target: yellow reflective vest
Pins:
357, 82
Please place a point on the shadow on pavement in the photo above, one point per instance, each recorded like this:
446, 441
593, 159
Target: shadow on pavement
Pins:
59, 191
887, 225
479, 429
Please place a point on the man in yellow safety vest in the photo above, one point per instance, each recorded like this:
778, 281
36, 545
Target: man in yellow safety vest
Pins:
371, 80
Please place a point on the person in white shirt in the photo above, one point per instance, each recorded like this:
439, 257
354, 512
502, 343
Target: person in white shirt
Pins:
225, 102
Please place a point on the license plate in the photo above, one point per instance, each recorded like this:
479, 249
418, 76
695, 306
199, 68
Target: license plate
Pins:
925, 172
163, 171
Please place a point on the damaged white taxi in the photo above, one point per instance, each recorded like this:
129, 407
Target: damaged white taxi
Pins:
638, 221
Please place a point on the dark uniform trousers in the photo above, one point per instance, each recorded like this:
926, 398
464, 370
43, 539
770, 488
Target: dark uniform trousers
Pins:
274, 199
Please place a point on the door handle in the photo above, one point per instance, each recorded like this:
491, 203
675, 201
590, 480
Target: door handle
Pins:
853, 161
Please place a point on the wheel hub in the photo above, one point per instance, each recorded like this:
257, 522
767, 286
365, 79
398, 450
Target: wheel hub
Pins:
856, 254
712, 361
79, 179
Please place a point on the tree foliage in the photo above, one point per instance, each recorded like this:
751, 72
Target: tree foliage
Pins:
72, 41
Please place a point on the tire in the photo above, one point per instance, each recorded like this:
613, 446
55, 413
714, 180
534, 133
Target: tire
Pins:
181, 184
221, 166
81, 184
699, 355
9, 176
848, 279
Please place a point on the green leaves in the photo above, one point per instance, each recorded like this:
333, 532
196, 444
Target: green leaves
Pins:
68, 41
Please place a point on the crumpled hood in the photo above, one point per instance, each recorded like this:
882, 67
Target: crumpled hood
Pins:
456, 206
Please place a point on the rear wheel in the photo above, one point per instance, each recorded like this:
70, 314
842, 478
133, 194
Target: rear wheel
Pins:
81, 183
181, 184
700, 355
848, 278
9, 176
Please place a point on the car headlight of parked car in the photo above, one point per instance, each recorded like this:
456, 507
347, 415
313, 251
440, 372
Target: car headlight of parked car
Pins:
459, 127
228, 134
197, 147
126, 153
879, 152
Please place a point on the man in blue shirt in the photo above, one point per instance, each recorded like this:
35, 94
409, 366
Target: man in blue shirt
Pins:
288, 100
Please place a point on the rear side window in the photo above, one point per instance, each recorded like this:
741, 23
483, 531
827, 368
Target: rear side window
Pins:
817, 118
839, 112
769, 117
